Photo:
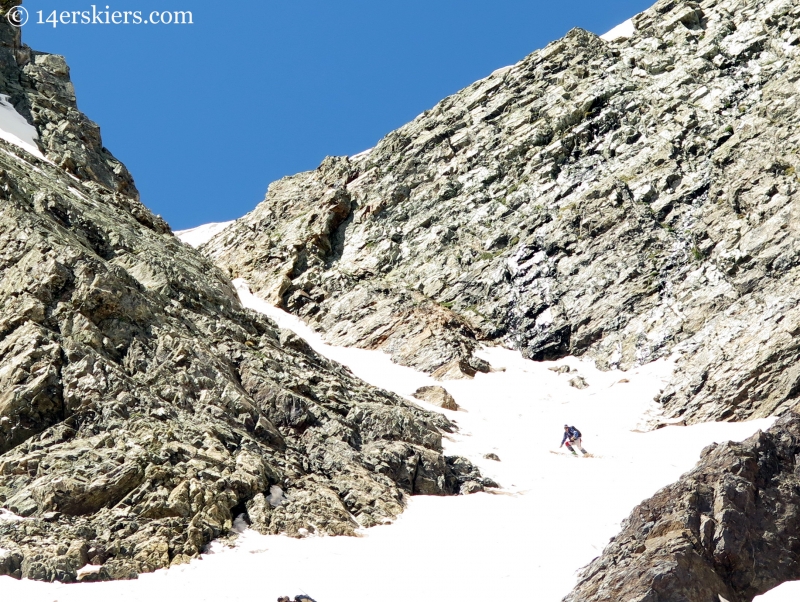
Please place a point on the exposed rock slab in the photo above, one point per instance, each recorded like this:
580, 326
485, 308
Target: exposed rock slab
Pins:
620, 199
728, 528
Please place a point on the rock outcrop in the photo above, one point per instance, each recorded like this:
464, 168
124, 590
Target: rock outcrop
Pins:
623, 199
142, 408
437, 396
728, 528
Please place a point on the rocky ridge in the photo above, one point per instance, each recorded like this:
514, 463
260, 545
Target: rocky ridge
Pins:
142, 408
624, 200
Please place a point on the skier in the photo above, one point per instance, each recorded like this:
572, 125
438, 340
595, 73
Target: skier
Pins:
572, 436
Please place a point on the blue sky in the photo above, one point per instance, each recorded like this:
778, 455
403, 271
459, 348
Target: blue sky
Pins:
207, 115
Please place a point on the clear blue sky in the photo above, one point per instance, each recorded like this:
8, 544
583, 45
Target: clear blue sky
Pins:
206, 116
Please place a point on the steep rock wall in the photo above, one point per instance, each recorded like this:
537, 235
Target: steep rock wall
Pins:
624, 200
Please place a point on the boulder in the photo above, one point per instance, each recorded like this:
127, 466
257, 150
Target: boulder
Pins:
578, 382
437, 396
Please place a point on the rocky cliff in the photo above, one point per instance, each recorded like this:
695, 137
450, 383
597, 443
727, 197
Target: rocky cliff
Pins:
622, 200
141, 407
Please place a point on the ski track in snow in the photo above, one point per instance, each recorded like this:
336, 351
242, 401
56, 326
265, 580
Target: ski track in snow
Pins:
553, 515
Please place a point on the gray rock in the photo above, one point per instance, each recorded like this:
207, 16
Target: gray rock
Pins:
258, 511
471, 487
142, 408
437, 396
578, 382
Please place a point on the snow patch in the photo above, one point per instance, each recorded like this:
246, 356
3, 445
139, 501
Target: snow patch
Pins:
501, 70
14, 128
786, 592
545, 318
9, 517
89, 569
622, 31
276, 497
363, 154
239, 524
201, 234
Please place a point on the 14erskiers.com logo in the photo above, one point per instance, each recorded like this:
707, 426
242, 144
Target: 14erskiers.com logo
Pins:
19, 16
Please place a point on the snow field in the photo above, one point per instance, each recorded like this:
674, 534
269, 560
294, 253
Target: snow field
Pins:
527, 540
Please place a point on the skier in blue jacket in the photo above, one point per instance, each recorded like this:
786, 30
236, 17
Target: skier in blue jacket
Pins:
572, 436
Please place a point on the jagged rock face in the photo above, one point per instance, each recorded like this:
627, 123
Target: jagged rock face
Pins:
39, 87
141, 407
727, 528
622, 200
